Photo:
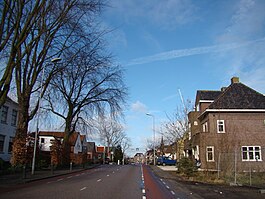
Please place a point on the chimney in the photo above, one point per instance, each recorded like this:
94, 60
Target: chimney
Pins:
234, 80
223, 89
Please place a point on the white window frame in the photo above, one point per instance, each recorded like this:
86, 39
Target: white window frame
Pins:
218, 125
189, 134
14, 117
251, 153
2, 140
205, 127
4, 114
207, 152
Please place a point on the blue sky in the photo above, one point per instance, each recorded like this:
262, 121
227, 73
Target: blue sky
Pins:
189, 45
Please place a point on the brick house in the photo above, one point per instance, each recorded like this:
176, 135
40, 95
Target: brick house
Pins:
104, 154
77, 142
91, 152
227, 129
139, 158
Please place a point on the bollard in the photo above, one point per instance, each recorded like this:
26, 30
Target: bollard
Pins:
24, 172
52, 169
71, 166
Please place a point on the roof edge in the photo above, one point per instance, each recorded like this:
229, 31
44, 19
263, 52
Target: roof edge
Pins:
231, 110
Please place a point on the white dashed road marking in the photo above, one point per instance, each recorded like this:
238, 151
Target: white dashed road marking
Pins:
83, 189
60, 179
98, 180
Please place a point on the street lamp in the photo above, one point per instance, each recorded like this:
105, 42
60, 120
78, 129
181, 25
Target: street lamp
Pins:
148, 114
54, 60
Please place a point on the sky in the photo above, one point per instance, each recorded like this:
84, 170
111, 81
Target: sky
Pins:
182, 45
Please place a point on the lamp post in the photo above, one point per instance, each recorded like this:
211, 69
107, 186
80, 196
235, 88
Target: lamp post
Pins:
57, 59
148, 114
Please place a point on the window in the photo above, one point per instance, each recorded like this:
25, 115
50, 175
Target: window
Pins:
220, 126
195, 123
189, 135
205, 127
10, 144
251, 153
4, 114
210, 153
14, 117
42, 140
2, 142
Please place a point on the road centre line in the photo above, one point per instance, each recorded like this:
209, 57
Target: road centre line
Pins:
83, 189
60, 179
69, 176
173, 193
98, 180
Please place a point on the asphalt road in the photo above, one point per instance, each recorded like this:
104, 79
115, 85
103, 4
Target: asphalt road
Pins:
125, 182
108, 181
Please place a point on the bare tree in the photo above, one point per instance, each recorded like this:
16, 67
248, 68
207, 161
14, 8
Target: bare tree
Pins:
89, 85
125, 145
32, 33
111, 132
177, 123
150, 143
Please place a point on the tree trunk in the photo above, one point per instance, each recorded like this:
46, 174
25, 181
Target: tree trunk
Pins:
67, 144
19, 152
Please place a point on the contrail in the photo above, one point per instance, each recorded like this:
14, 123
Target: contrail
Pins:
189, 51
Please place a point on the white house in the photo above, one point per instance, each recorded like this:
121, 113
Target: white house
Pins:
8, 124
77, 143
46, 137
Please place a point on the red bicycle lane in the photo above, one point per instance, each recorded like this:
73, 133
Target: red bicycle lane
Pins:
154, 188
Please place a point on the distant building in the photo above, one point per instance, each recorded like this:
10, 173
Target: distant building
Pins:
139, 158
8, 124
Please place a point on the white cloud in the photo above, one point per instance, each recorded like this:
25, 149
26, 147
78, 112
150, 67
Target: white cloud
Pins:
139, 107
170, 97
165, 14
191, 51
246, 22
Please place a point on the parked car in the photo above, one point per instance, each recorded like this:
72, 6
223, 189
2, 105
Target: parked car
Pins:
165, 161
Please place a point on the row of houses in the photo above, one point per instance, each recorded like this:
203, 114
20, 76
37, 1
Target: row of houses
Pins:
226, 130
81, 150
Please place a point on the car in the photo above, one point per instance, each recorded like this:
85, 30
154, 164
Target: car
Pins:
166, 161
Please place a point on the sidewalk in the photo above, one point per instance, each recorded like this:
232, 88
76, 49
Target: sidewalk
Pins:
9, 181
168, 168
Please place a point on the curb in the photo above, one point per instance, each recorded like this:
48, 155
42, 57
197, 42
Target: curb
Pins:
56, 175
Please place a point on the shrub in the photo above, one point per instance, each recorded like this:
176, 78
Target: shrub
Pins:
186, 166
